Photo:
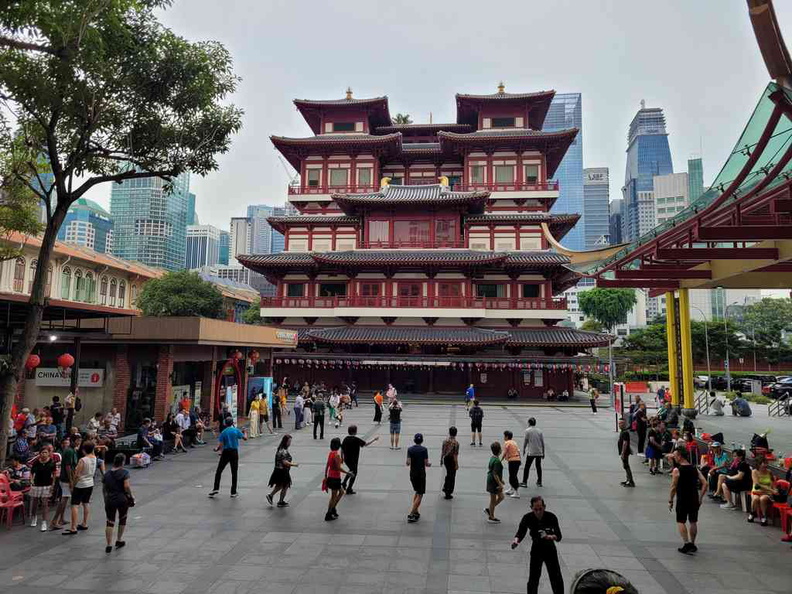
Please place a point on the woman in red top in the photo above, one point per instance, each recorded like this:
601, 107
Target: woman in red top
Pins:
333, 471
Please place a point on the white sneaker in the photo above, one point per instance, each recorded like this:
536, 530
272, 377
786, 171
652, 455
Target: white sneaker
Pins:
44, 526
508, 491
727, 506
34, 522
515, 495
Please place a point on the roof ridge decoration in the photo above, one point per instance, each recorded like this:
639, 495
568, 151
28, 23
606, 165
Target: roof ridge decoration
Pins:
376, 109
412, 196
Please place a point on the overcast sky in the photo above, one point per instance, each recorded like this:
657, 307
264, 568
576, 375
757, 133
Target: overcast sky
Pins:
698, 60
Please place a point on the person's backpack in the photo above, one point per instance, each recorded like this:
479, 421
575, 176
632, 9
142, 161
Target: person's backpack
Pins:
77, 404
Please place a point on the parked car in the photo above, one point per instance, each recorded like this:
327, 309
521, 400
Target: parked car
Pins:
719, 383
700, 381
782, 389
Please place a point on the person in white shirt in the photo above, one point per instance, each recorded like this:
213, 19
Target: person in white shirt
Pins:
298, 411
115, 418
717, 405
185, 424
533, 449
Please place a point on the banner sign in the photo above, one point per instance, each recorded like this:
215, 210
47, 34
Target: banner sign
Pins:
51, 376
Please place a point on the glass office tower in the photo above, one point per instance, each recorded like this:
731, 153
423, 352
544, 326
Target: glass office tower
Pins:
225, 248
596, 208
695, 179
566, 112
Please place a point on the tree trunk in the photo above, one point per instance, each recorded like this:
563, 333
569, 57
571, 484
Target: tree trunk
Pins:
29, 337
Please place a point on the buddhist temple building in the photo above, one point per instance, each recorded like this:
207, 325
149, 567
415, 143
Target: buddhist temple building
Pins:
420, 254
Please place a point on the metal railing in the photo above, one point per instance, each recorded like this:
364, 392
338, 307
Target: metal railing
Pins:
702, 402
778, 408
508, 187
413, 244
415, 302
326, 189
457, 187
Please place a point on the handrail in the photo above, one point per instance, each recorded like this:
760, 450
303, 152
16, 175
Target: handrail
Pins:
327, 189
778, 408
702, 403
508, 186
416, 302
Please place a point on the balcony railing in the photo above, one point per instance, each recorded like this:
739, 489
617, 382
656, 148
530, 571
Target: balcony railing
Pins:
398, 244
415, 302
457, 187
305, 190
508, 187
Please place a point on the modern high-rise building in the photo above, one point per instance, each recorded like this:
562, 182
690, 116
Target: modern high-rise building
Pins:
225, 248
596, 209
88, 224
203, 246
260, 229
670, 195
192, 217
616, 207
566, 112
241, 238
150, 223
695, 179
648, 155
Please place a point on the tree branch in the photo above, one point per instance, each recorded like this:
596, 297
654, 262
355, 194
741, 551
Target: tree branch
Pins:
29, 46
167, 175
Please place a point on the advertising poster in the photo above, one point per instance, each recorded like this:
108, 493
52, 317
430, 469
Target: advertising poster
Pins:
256, 386
231, 401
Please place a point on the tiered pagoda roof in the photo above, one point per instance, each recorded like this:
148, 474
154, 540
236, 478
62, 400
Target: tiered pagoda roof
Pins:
296, 149
280, 224
311, 109
560, 224
431, 195
536, 104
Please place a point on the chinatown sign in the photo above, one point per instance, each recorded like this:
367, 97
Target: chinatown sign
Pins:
52, 377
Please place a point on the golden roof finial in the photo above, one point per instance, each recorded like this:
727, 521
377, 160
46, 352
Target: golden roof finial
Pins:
501, 88
349, 93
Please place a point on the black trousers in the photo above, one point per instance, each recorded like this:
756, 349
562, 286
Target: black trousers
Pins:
377, 413
627, 471
318, 423
349, 481
545, 554
276, 417
593, 404
450, 478
514, 473
641, 438
227, 457
527, 468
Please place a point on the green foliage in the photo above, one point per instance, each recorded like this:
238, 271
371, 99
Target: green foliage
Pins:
720, 335
608, 306
181, 293
252, 314
592, 326
402, 118
764, 323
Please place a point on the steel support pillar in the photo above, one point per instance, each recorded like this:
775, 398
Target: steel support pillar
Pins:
671, 337
688, 405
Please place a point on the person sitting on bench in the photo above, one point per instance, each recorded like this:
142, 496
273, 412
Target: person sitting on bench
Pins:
737, 483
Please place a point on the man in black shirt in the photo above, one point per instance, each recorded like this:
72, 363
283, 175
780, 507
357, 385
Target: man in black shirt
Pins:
625, 449
418, 461
56, 410
545, 532
318, 410
350, 447
689, 486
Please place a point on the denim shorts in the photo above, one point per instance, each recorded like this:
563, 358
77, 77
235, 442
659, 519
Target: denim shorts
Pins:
395, 427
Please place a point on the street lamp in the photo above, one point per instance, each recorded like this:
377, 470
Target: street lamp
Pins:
706, 347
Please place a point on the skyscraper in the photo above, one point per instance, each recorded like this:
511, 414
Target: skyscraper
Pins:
670, 195
566, 112
596, 211
616, 207
88, 224
203, 246
261, 232
225, 248
192, 218
241, 239
150, 223
695, 179
648, 155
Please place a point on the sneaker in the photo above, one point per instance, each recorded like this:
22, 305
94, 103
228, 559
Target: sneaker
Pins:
629, 484
269, 499
212, 494
685, 548
693, 548
727, 506
481, 445
786, 538
234, 495
493, 520
108, 549
34, 522
334, 511
750, 518
329, 517
538, 483
486, 512
283, 504
508, 491
412, 518
472, 443
523, 485
515, 495
120, 544
351, 492
762, 523
44, 526
448, 496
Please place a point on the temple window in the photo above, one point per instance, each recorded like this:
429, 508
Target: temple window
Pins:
410, 232
445, 231
364, 177
490, 290
410, 289
503, 122
370, 289
339, 177
332, 289
314, 176
531, 174
295, 289
530, 291
504, 174
477, 174
343, 126
378, 231
397, 180
449, 290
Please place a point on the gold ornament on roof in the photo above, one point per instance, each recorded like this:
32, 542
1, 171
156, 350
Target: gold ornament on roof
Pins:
501, 88
384, 182
349, 93
443, 180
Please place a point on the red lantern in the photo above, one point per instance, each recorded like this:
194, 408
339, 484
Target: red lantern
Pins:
65, 361
32, 362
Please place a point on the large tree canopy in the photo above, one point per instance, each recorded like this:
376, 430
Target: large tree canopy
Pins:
102, 92
181, 293
608, 306
765, 324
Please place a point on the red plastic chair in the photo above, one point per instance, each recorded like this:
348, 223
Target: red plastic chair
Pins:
10, 503
5, 487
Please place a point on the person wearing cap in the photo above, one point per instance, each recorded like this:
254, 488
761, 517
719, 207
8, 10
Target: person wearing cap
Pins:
228, 445
418, 461
717, 465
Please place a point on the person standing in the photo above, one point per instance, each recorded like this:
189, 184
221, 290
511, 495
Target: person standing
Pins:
318, 416
277, 412
69, 404
280, 479
82, 489
43, 472
228, 446
69, 462
307, 411
391, 394
333, 403
254, 416
418, 461
378, 407
118, 499
511, 455
689, 487
625, 449
353, 393
593, 396
394, 413
470, 396
299, 401
641, 426
350, 447
264, 416
449, 458
476, 415
56, 411
334, 468
494, 482
533, 450
543, 528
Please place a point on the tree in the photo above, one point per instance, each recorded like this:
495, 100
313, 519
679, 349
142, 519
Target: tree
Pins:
765, 324
252, 315
181, 293
608, 306
402, 118
105, 93
592, 326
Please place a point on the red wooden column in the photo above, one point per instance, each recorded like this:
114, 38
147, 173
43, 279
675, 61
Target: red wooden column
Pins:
162, 393
122, 378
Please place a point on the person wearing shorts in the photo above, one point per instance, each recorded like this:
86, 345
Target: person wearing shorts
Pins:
394, 413
418, 461
333, 471
43, 471
689, 487
118, 500
82, 489
476, 415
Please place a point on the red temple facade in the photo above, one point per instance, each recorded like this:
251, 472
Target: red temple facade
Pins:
420, 254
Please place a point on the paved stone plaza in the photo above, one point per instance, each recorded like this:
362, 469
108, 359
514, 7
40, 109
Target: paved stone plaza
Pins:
181, 541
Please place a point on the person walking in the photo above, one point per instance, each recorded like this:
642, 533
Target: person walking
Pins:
391, 394
280, 479
689, 487
476, 415
307, 411
593, 396
254, 417
418, 461
299, 401
511, 455
494, 482
394, 413
228, 446
318, 416
82, 489
378, 407
542, 526
533, 450
334, 468
43, 472
449, 458
625, 449
118, 499
277, 411
69, 462
350, 448
333, 403
470, 396
264, 416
